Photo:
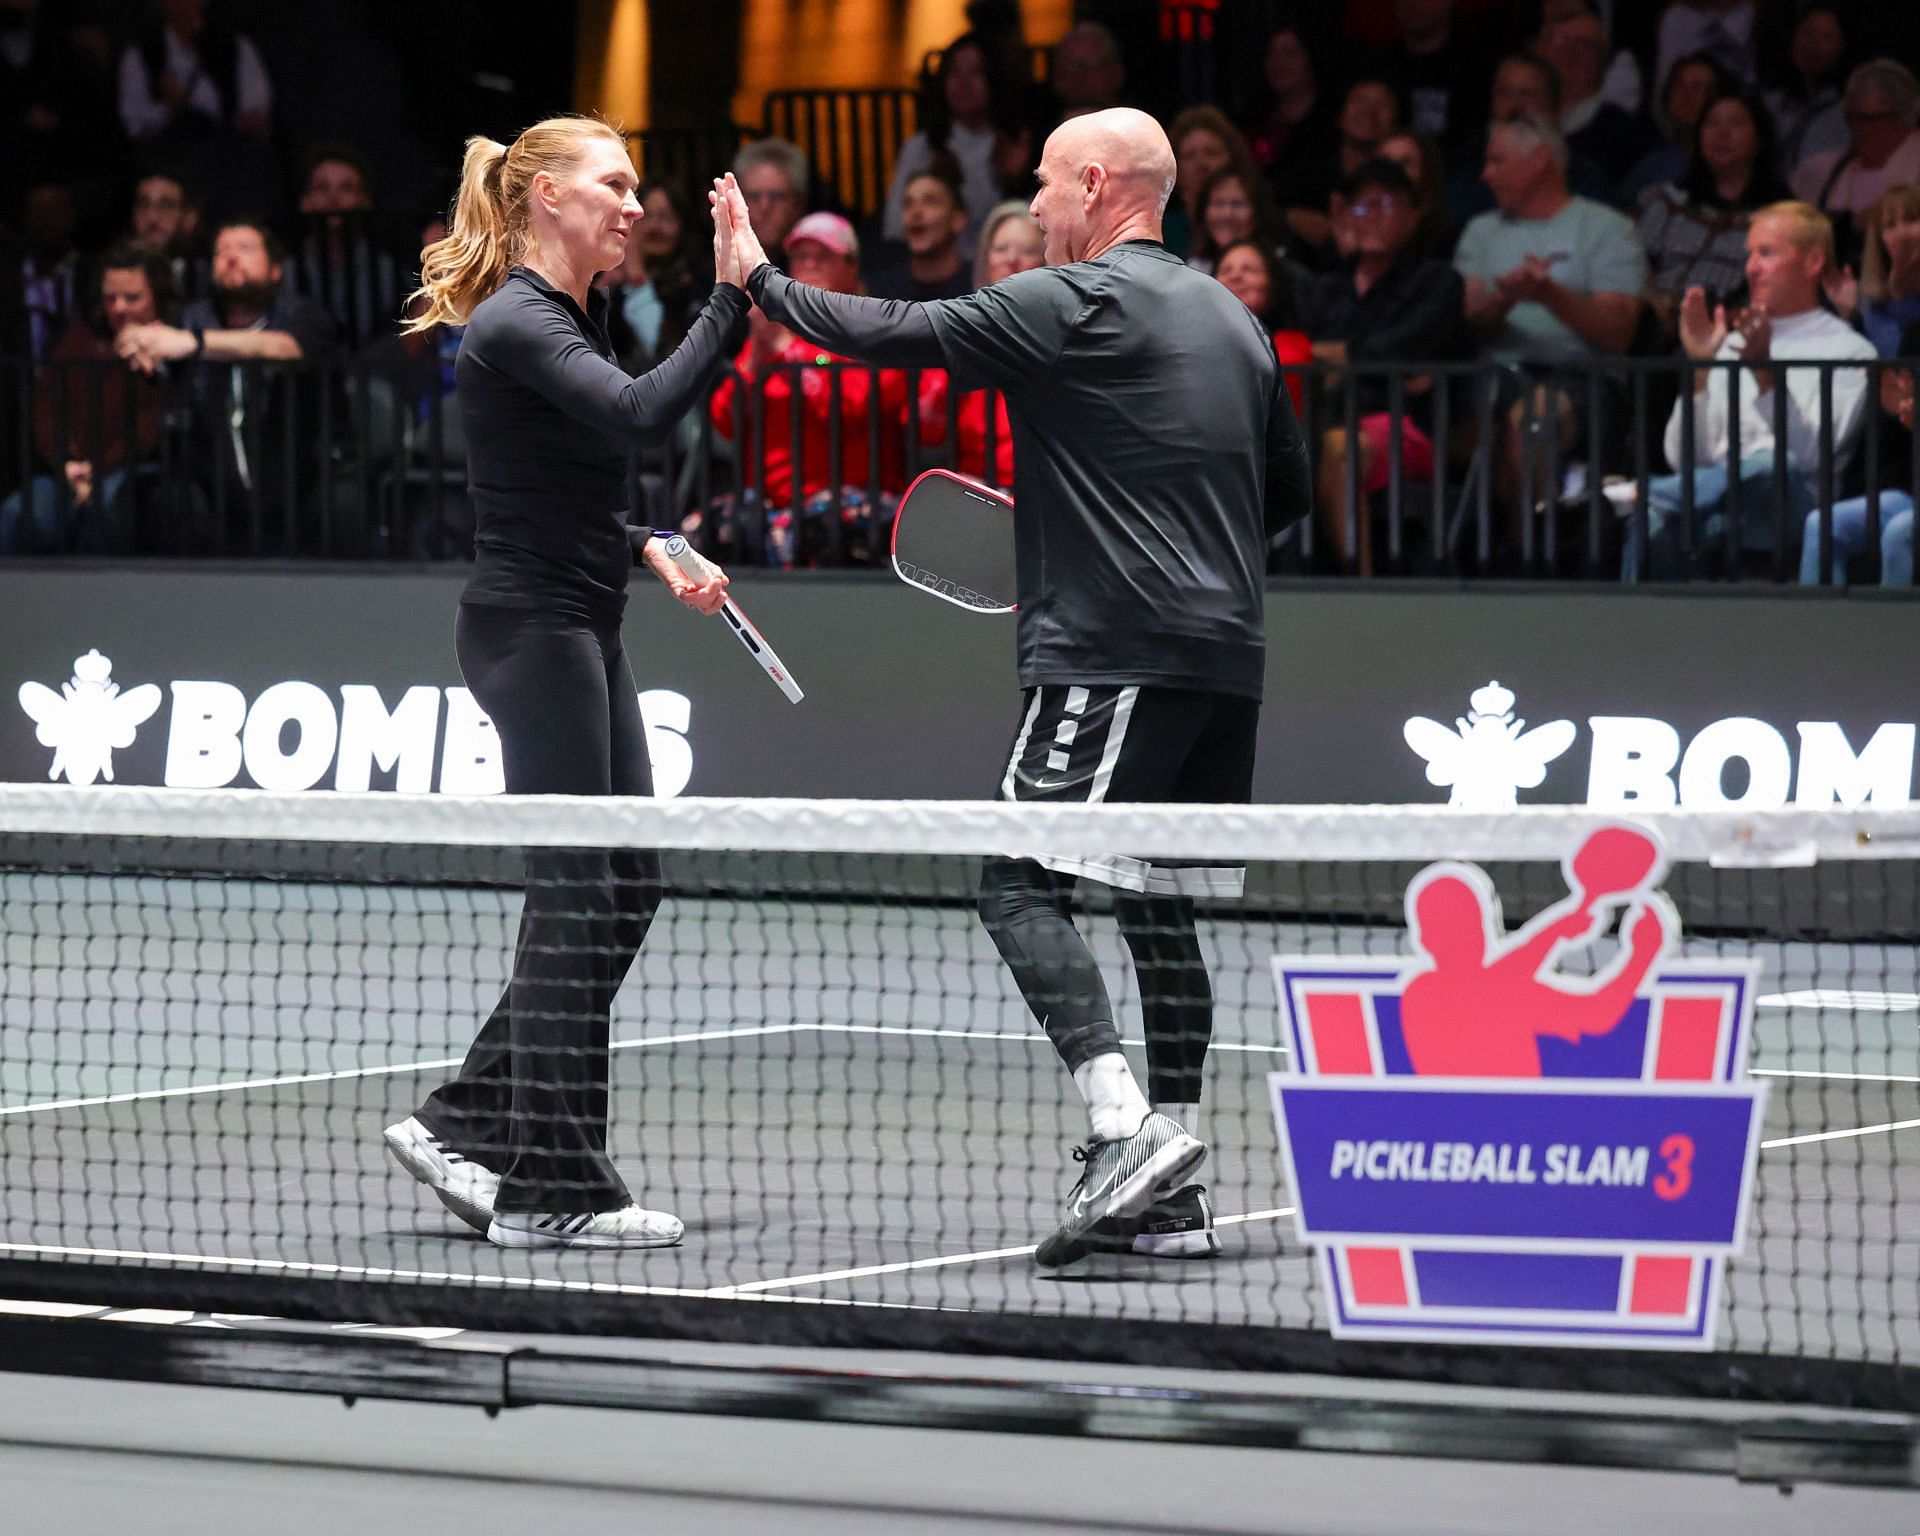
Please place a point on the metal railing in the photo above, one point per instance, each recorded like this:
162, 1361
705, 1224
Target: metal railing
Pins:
1535, 473
851, 137
688, 157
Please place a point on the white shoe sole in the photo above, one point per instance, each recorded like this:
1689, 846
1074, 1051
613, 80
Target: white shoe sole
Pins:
1177, 1245
403, 1150
526, 1237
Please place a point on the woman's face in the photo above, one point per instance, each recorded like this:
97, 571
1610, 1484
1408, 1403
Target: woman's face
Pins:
1244, 275
1818, 44
1229, 213
1197, 156
1900, 236
1288, 69
594, 206
966, 85
1017, 246
126, 297
660, 231
1687, 95
1728, 138
1368, 115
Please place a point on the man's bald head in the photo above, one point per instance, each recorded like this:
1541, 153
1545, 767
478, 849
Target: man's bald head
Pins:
1104, 177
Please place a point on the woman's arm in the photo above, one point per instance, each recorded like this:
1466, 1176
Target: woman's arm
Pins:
540, 347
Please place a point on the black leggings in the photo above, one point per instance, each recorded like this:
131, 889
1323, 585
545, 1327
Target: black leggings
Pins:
1028, 910
531, 1098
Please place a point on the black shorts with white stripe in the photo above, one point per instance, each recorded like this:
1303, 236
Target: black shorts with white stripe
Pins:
1111, 743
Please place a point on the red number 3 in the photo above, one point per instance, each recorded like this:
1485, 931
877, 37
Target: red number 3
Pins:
1678, 1179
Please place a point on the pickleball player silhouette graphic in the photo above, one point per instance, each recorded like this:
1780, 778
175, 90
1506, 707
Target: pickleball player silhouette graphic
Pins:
1486, 1000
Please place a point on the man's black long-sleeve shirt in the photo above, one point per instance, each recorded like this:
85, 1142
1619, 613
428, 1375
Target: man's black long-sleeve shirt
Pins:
549, 420
1156, 454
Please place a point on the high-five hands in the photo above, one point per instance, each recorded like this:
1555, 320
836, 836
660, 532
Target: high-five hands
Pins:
745, 251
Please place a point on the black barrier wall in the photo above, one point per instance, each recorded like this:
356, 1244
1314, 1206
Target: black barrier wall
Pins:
325, 678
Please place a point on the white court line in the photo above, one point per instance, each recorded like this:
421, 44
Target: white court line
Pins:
682, 1037
1842, 1000
1847, 1077
762, 1287
388, 1070
1864, 1130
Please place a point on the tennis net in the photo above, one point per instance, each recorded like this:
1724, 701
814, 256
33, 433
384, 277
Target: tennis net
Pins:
211, 1003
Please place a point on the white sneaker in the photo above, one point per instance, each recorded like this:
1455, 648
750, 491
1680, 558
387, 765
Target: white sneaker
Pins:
1622, 493
629, 1227
462, 1185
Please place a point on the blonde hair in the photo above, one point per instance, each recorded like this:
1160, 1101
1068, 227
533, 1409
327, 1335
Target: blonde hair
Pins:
1899, 204
1812, 229
487, 232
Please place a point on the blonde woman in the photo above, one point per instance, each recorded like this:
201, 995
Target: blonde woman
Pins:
516, 1144
1885, 299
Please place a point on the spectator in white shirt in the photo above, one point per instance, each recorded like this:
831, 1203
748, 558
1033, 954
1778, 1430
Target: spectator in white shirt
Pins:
182, 68
1721, 29
969, 138
199, 93
1789, 248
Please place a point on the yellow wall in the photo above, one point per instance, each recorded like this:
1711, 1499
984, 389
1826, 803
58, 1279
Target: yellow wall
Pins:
610, 75
812, 43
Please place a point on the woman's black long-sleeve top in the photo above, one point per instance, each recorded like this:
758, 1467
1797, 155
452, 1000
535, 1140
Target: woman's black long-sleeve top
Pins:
549, 420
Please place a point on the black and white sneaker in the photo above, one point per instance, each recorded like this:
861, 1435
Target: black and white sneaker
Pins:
629, 1227
1122, 1178
1176, 1226
462, 1185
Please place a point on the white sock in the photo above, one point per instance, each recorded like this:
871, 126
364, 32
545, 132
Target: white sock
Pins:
1114, 1100
1185, 1114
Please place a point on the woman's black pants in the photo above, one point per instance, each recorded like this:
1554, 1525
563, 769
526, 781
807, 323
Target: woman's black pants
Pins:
531, 1098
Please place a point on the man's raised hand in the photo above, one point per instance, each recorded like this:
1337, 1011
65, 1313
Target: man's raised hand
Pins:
1702, 331
725, 264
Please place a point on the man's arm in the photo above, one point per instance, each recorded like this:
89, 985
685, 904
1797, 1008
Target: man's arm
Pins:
252, 347
1486, 306
891, 332
1604, 321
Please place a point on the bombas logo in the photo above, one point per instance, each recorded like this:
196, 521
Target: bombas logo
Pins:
296, 735
1488, 756
87, 719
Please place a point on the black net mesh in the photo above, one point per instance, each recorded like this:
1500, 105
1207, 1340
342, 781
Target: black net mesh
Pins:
821, 1065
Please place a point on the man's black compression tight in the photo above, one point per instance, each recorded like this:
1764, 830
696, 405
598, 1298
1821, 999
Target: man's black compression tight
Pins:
1026, 909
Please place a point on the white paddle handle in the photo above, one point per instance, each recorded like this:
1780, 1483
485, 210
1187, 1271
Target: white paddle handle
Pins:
696, 567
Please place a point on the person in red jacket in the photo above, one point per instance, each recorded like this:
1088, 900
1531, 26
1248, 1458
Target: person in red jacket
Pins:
824, 253
1010, 242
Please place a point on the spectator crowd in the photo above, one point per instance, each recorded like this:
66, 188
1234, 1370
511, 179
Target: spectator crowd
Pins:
1464, 241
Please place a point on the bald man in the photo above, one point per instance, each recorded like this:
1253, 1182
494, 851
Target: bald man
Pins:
1157, 456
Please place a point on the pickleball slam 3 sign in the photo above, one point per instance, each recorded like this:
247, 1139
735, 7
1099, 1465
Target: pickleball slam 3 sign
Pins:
1491, 1142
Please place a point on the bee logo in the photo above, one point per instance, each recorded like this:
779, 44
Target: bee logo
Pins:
87, 719
1488, 757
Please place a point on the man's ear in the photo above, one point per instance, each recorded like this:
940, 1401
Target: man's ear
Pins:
958, 218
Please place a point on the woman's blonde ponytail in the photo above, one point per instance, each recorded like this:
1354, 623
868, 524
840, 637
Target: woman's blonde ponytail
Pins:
488, 233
